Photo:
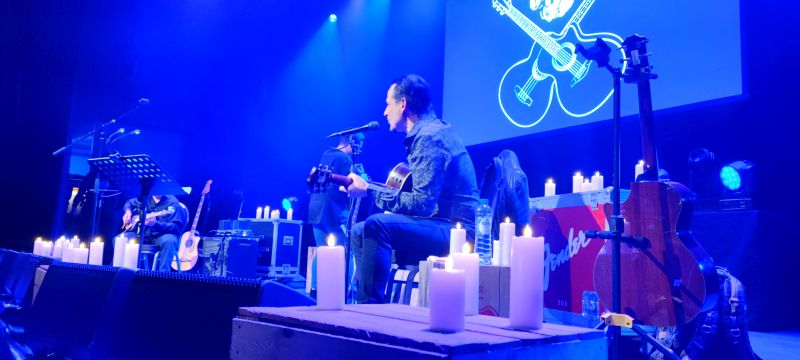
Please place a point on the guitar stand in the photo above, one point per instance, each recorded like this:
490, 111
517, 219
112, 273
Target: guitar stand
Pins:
600, 53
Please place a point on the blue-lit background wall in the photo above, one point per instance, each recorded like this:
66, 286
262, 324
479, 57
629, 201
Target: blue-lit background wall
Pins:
244, 92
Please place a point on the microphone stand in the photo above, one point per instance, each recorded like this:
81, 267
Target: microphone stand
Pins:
99, 150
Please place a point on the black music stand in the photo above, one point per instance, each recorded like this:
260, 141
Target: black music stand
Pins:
137, 176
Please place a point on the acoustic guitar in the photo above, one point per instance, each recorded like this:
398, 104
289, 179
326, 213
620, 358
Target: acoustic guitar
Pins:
187, 251
671, 279
399, 179
135, 220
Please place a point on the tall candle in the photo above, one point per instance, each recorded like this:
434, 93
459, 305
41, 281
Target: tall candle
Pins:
526, 303
119, 251
549, 188
446, 300
47, 247
586, 186
638, 170
496, 253
76, 242
58, 248
66, 255
330, 275
469, 262
458, 237
131, 255
96, 252
80, 255
259, 212
597, 181
37, 246
289, 214
577, 182
507, 231
267, 214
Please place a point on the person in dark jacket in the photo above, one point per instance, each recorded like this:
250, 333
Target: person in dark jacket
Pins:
164, 230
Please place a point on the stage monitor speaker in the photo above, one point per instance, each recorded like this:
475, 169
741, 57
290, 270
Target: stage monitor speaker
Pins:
175, 316
230, 256
69, 306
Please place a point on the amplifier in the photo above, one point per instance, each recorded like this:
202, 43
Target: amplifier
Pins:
279, 243
234, 256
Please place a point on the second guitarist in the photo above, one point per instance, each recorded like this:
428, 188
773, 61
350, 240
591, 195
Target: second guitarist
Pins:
164, 230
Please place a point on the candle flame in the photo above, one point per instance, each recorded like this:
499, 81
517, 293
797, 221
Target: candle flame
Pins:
458, 225
83, 245
39, 238
577, 173
549, 180
641, 162
331, 240
527, 232
98, 239
597, 173
467, 248
507, 220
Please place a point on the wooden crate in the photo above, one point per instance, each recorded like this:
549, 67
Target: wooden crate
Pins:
392, 331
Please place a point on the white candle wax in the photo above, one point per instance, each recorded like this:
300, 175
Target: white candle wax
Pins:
276, 214
119, 251
577, 182
267, 213
469, 262
458, 237
638, 170
549, 188
80, 255
597, 181
330, 276
47, 248
289, 214
58, 249
37, 246
259, 212
67, 253
96, 253
507, 231
496, 253
76, 243
526, 303
446, 300
586, 186
131, 255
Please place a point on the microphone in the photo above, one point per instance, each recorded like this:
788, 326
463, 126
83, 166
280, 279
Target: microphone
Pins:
371, 126
144, 102
132, 132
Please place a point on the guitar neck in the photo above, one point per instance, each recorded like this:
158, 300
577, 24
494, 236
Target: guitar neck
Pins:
371, 185
649, 153
533, 30
197, 213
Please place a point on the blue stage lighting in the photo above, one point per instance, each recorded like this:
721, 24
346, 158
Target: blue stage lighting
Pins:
737, 184
332, 18
730, 178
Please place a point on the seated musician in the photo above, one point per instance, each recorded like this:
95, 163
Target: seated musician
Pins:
163, 230
444, 191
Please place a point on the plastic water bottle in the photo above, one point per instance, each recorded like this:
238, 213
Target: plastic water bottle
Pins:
483, 232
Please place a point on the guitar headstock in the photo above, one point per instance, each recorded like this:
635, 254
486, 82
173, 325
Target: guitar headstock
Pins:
637, 59
318, 178
207, 188
502, 7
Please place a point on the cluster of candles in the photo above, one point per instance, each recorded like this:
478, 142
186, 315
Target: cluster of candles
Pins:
126, 252
454, 289
261, 213
581, 184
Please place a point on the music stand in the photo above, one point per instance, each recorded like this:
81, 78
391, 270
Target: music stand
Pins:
137, 176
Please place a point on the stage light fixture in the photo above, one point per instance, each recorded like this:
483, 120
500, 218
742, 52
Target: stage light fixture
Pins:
736, 179
332, 18
288, 202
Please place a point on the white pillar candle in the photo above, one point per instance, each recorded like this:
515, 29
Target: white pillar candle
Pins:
76, 242
47, 248
267, 213
131, 255
37, 246
67, 253
577, 182
469, 262
458, 237
276, 214
549, 188
58, 248
330, 275
119, 250
259, 212
597, 181
507, 231
586, 186
96, 252
527, 276
638, 170
446, 300
289, 214
80, 255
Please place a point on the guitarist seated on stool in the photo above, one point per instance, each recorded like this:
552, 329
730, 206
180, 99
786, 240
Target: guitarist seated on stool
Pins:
444, 191
164, 230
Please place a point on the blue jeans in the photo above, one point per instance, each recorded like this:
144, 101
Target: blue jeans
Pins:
412, 238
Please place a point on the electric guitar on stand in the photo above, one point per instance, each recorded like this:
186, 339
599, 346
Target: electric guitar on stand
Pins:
187, 252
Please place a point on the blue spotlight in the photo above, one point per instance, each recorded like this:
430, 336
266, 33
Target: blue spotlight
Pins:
332, 18
730, 178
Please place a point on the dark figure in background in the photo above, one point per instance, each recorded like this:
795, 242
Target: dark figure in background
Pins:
506, 187
444, 192
328, 210
164, 231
